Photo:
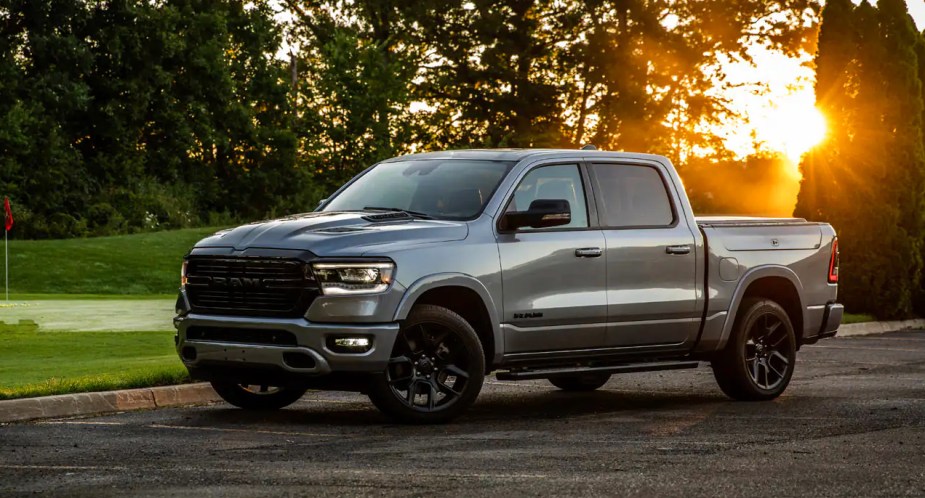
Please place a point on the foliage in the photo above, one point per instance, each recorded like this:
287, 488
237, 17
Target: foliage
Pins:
129, 115
868, 177
121, 116
623, 74
147, 263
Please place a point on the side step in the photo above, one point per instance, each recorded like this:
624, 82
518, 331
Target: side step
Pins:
546, 373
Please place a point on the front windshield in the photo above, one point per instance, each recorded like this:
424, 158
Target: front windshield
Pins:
455, 189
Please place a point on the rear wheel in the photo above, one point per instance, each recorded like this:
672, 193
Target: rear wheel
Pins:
581, 382
436, 370
257, 397
759, 359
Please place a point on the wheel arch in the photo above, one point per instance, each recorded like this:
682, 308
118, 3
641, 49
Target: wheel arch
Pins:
777, 283
467, 297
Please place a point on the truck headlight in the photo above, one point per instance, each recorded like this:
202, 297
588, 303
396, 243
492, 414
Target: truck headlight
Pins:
183, 275
354, 277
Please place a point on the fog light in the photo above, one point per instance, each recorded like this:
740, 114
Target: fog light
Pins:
350, 344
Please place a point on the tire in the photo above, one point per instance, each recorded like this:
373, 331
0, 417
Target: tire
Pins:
257, 397
760, 357
582, 382
436, 370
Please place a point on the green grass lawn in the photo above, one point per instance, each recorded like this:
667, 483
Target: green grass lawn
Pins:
74, 290
140, 264
34, 363
853, 318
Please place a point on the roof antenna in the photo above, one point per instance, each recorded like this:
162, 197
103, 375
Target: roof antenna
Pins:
588, 147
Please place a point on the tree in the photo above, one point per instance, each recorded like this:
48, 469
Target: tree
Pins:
125, 115
867, 178
353, 93
835, 85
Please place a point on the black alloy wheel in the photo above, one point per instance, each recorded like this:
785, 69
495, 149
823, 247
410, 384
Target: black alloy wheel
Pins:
436, 369
759, 358
768, 352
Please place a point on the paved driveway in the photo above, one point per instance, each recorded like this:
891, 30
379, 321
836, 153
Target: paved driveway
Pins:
851, 423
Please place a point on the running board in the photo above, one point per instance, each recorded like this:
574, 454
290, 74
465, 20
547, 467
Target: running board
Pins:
546, 373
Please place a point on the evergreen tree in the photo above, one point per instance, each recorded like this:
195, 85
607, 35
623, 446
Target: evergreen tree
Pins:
835, 58
868, 177
904, 160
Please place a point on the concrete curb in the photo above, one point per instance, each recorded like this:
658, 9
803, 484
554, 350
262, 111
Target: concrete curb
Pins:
870, 328
71, 405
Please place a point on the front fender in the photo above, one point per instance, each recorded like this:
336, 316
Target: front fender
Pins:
424, 284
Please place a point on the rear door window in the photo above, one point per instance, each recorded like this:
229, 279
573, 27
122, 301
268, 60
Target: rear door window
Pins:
632, 196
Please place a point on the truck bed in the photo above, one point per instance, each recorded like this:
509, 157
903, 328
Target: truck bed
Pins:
761, 234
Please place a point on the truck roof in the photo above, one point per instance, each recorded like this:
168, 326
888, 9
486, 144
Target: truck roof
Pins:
519, 154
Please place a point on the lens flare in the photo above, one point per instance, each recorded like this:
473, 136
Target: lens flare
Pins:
793, 129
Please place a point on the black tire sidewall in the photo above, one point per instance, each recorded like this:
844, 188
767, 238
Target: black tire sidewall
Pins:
236, 395
731, 369
381, 393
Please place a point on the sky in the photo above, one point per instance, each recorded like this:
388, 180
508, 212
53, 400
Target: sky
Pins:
917, 11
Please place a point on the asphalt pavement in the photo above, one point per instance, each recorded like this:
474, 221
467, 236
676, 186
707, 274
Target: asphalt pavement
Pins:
852, 423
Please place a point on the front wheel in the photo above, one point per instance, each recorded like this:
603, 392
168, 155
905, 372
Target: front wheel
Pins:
436, 369
257, 397
759, 359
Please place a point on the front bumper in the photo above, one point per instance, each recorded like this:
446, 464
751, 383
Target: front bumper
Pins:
309, 356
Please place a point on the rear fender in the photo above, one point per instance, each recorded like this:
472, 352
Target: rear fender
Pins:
749, 278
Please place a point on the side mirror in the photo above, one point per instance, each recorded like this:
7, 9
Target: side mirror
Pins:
320, 203
543, 213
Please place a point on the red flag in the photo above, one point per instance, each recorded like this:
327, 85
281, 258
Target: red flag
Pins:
8, 218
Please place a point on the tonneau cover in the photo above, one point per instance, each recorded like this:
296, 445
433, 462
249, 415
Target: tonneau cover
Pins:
761, 234
748, 221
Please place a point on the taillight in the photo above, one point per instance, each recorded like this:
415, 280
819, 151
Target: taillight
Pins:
833, 263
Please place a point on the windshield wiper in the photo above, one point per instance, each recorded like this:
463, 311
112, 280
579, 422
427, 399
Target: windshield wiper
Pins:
416, 214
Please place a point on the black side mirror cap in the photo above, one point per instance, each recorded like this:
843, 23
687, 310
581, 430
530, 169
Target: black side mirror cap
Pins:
543, 213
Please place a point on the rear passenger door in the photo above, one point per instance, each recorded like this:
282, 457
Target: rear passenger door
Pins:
650, 256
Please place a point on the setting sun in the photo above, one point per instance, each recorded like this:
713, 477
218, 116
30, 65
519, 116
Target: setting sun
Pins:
794, 130
775, 103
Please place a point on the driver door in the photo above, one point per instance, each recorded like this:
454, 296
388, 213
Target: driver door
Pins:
554, 279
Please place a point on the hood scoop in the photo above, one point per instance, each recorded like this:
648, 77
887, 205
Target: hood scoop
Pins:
342, 230
391, 216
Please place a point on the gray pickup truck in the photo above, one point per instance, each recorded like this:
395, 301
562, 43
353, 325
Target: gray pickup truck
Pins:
427, 272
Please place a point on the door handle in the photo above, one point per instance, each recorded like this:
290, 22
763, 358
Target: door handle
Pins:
678, 249
589, 252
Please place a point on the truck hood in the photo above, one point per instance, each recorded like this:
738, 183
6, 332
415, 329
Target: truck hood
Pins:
336, 233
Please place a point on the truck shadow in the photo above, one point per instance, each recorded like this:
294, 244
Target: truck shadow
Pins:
490, 408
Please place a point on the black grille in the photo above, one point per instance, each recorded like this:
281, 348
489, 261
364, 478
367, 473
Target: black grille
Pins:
249, 286
245, 336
